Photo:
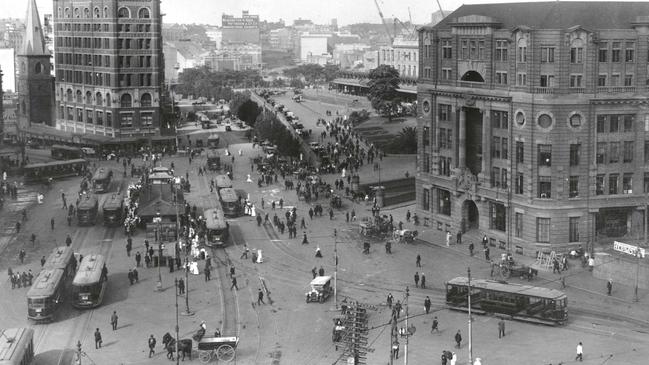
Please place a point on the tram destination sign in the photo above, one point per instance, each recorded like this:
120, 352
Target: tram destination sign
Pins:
628, 249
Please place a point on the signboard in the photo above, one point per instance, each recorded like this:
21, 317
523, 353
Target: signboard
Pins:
628, 249
247, 21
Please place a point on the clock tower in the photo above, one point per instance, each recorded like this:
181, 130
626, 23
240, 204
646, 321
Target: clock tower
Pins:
35, 84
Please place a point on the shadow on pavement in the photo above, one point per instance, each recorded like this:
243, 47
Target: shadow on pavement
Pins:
66, 356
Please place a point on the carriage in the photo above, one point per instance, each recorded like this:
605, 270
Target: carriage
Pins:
377, 226
222, 348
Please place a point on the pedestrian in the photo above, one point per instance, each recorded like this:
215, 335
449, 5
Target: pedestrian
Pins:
422, 279
609, 286
416, 279
427, 304
129, 246
17, 227
30, 277
321, 272
458, 339
113, 320
98, 340
314, 271
389, 300
347, 216
21, 256
418, 263
395, 349
130, 276
448, 238
444, 358
318, 254
501, 328
33, 239
207, 273
453, 358
471, 248
234, 284
435, 326
408, 216
458, 237
136, 275
304, 240
147, 260
580, 352
232, 271
65, 205
485, 241
152, 342
42, 261
486, 253
260, 297
52, 223
138, 258
181, 286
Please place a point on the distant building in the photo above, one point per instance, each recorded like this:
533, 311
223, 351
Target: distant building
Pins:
370, 60
109, 85
334, 24
349, 55
180, 55
235, 58
240, 30
313, 46
7, 64
281, 39
302, 23
403, 55
215, 35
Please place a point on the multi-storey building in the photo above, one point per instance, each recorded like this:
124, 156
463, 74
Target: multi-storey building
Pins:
534, 124
109, 67
403, 55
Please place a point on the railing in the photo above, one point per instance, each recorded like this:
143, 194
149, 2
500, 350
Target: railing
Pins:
616, 89
544, 90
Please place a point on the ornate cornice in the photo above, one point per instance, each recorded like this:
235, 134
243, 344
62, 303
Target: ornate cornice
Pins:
468, 96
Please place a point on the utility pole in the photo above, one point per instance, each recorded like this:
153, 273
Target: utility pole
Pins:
407, 332
177, 337
637, 274
470, 321
336, 269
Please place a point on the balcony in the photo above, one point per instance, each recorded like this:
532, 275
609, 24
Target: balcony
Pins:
544, 90
616, 89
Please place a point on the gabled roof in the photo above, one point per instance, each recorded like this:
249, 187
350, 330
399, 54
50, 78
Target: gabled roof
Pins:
33, 41
591, 15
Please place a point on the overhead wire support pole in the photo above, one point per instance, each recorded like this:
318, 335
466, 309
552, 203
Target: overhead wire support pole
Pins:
407, 332
470, 321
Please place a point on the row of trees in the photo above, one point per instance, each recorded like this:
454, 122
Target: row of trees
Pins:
201, 81
313, 73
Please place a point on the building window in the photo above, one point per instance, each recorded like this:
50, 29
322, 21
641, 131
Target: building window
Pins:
627, 183
614, 152
628, 122
547, 54
444, 166
447, 49
503, 178
444, 202
465, 49
521, 79
543, 230
522, 51
109, 119
79, 115
573, 229
603, 52
447, 74
70, 113
444, 112
144, 13
575, 80
123, 13
519, 183
599, 185
545, 187
501, 51
126, 101
601, 123
495, 147
425, 204
427, 73
499, 119
627, 152
518, 231
629, 52
547, 81
89, 116
646, 151
126, 120
545, 155
615, 80
575, 151
100, 118
601, 80
575, 120
145, 100
505, 148
646, 183
612, 183
520, 152
573, 188
628, 80
146, 119
426, 163
577, 51
615, 54
495, 177
501, 77
497, 216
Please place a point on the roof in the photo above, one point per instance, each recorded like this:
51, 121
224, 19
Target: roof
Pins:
223, 181
102, 173
90, 270
20, 337
214, 219
33, 41
59, 258
228, 195
555, 14
320, 280
55, 163
533, 291
45, 283
114, 201
89, 201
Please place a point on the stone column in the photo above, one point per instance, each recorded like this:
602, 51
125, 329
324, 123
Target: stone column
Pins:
486, 142
461, 140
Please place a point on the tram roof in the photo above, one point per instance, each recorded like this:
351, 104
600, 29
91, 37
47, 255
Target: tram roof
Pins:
213, 137
88, 201
223, 181
102, 173
214, 219
228, 194
45, 283
19, 337
64, 147
90, 270
528, 290
114, 201
55, 163
59, 258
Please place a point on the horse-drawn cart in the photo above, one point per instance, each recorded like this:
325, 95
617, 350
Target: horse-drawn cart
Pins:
223, 348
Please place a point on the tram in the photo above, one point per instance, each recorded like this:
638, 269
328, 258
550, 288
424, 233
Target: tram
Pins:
218, 230
520, 302
222, 181
213, 160
113, 210
45, 295
87, 210
89, 284
16, 346
42, 172
213, 141
62, 152
230, 202
101, 180
62, 258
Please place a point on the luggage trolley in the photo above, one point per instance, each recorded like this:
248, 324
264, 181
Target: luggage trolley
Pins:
223, 348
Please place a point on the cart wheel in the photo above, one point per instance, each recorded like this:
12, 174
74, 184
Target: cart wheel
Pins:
225, 353
205, 356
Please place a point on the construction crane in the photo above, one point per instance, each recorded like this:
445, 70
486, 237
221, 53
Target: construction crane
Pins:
385, 25
403, 26
440, 9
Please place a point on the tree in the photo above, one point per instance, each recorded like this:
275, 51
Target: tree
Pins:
248, 112
405, 142
383, 85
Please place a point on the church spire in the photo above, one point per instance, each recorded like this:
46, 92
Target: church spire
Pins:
33, 41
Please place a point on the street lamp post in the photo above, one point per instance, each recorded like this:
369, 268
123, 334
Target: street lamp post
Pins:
177, 328
336, 269
470, 321
158, 233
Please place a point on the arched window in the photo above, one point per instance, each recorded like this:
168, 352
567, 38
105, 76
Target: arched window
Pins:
105, 11
109, 102
123, 13
144, 13
86, 13
77, 13
98, 100
69, 92
145, 100
126, 101
38, 68
67, 12
79, 97
88, 97
61, 94
59, 12
96, 12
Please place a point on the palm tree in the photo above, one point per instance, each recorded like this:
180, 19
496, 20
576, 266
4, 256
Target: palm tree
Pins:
405, 142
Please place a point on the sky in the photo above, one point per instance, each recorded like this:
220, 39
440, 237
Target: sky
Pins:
320, 11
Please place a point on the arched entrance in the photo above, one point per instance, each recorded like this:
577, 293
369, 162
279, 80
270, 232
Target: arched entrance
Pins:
472, 76
470, 215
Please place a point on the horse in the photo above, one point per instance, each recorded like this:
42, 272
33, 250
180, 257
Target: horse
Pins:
184, 346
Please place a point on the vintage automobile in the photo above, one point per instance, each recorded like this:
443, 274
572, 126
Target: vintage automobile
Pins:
320, 289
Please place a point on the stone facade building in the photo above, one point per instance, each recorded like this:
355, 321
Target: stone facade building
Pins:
534, 123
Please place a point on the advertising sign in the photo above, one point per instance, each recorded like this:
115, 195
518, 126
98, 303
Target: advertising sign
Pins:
628, 249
